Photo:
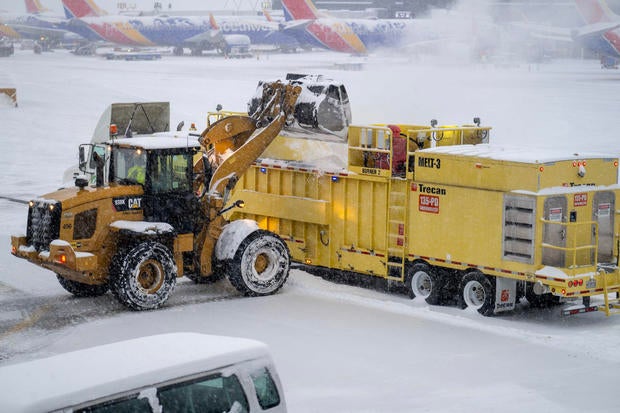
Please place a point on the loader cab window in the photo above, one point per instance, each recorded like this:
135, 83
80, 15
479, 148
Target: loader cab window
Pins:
170, 173
129, 166
168, 194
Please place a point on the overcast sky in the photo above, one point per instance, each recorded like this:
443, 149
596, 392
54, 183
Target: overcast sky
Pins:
110, 5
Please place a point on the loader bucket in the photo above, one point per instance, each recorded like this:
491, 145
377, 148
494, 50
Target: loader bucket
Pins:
322, 107
11, 93
136, 118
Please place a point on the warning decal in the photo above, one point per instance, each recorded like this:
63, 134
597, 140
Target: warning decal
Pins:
604, 210
555, 214
580, 199
429, 203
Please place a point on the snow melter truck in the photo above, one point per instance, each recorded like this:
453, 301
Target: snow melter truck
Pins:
446, 215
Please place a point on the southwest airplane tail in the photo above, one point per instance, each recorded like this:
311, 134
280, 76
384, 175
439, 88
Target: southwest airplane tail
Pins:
35, 7
598, 15
300, 10
595, 11
332, 34
81, 8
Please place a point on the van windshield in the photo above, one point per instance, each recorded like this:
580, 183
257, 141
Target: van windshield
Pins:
213, 394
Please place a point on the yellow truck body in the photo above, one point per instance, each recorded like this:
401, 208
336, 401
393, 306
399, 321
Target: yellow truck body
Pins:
528, 219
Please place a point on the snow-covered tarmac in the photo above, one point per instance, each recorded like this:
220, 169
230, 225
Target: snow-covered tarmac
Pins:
338, 348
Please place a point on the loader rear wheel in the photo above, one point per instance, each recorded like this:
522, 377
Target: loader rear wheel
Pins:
144, 277
477, 291
261, 264
425, 282
80, 289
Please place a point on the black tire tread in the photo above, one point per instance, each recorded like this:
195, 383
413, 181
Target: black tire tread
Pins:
79, 289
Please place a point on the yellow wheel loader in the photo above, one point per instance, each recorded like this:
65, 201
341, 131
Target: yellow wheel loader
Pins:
153, 214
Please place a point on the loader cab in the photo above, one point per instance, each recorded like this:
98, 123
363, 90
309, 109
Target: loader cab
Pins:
165, 171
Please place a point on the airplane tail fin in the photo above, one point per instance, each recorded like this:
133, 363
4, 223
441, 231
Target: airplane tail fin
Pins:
595, 11
82, 8
213, 22
300, 10
267, 15
8, 32
35, 7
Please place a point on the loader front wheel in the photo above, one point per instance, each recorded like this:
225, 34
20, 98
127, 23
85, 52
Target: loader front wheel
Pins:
144, 277
477, 291
425, 282
261, 264
80, 289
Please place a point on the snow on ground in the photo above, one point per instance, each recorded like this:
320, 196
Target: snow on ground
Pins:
338, 347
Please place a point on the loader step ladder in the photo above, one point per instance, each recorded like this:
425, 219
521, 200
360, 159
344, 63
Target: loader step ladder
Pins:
396, 229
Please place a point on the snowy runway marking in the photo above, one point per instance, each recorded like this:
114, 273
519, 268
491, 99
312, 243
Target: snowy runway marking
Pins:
28, 322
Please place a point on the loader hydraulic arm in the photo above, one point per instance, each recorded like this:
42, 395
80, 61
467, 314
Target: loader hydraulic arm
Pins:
239, 140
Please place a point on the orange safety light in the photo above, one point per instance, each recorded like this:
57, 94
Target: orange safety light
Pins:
61, 259
616, 164
541, 169
113, 129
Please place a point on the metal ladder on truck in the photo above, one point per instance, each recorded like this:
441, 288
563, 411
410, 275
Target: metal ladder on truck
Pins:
398, 202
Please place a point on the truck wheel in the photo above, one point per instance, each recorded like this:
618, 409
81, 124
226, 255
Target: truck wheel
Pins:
144, 277
424, 281
261, 264
477, 291
80, 289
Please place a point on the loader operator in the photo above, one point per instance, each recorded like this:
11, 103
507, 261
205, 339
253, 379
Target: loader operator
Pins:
138, 171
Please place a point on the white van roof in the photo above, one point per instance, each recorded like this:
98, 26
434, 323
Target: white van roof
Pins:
79, 376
